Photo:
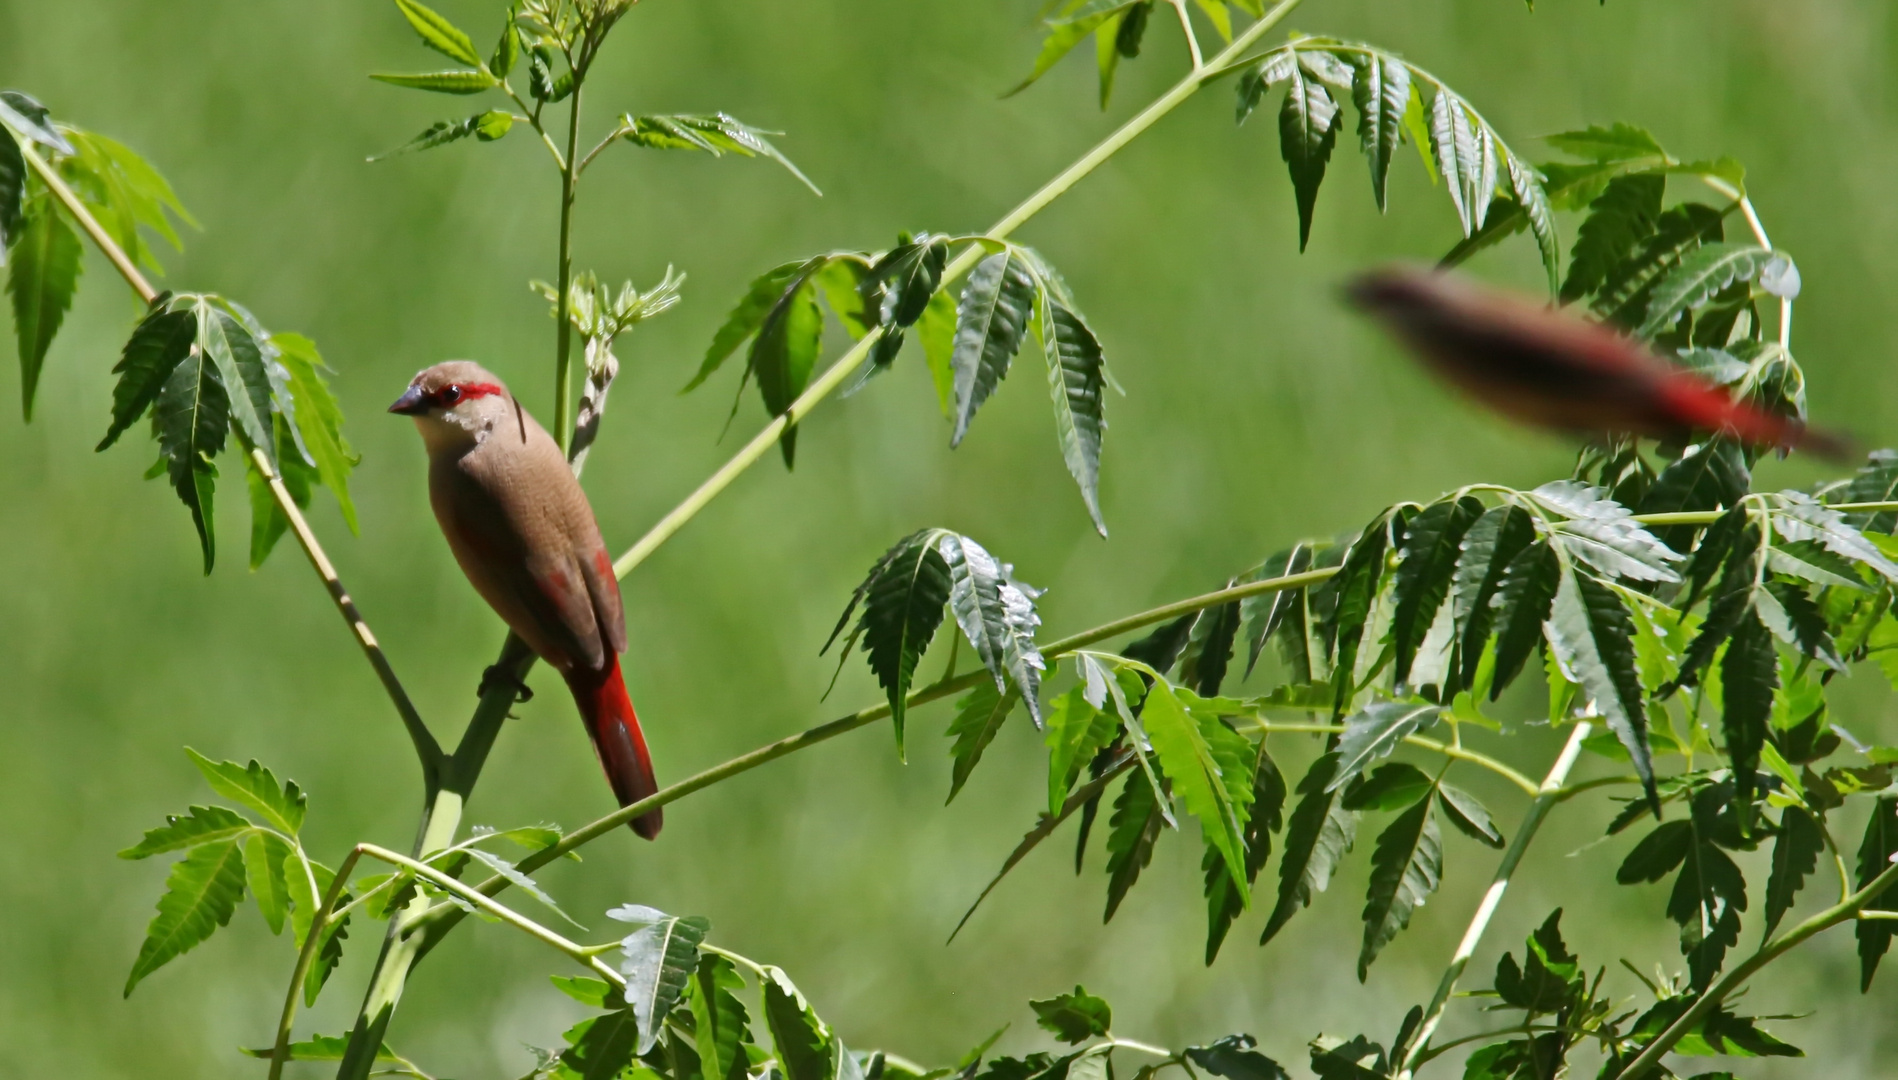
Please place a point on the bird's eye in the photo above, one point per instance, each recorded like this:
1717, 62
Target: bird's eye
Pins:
449, 395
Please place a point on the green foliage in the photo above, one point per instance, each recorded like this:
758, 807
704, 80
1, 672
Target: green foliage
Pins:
716, 134
43, 267
659, 956
1074, 1018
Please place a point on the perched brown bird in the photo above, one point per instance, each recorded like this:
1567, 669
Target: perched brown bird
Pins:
522, 531
1549, 368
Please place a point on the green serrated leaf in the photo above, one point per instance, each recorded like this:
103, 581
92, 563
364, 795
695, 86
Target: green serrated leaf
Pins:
903, 599
1132, 831
1317, 837
1522, 605
1619, 142
1483, 559
1077, 379
1532, 195
996, 614
1795, 856
1391, 787
201, 825
1591, 633
442, 82
721, 1026
1749, 677
201, 894
438, 33
1181, 742
1077, 730
1710, 476
784, 352
715, 133
1711, 268
1432, 547
1619, 219
43, 268
282, 808
1406, 867
991, 320
1874, 858
803, 1041
1308, 130
657, 959
1381, 92
1074, 1018
1224, 901
979, 715
319, 419
1624, 297
1469, 815
1374, 731
443, 132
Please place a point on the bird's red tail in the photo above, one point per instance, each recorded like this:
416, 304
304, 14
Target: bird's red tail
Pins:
614, 728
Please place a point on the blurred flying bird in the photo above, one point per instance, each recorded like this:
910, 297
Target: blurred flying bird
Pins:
522, 530
1548, 368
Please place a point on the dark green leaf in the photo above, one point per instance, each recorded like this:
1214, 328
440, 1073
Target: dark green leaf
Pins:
658, 957
1266, 613
785, 350
1307, 132
991, 318
758, 302
241, 370
997, 615
1707, 899
1317, 837
1619, 219
1875, 481
600, 1047
1406, 867
25, 115
803, 1040
1711, 476
1812, 561
1548, 978
714, 133
1488, 548
1209, 647
903, 599
201, 894
1356, 585
1274, 68
1469, 815
1432, 546
1658, 853
443, 82
907, 277
1077, 377
1699, 276
720, 1023
43, 267
1391, 787
438, 33
268, 522
439, 133
1357, 1059
1381, 92
1623, 297
1132, 830
1522, 605
203, 825
1749, 677
282, 808
12, 191
979, 716
1592, 633
1374, 731
1533, 196
1234, 1058
1074, 1018
1874, 858
1795, 857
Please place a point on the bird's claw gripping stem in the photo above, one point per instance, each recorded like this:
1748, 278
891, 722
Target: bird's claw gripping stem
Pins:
496, 675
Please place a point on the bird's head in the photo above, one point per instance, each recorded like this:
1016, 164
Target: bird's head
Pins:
457, 404
1404, 293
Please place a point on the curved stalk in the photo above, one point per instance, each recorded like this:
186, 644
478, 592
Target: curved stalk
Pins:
280, 1051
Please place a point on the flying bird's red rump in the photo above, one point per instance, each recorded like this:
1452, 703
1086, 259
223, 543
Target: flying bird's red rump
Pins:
522, 531
1547, 368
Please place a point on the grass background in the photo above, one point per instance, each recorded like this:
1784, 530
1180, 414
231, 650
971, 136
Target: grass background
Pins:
1257, 412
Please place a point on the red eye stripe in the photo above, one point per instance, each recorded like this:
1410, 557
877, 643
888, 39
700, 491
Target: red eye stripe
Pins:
451, 395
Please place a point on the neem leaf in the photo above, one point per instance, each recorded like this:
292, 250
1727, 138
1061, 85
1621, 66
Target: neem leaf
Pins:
192, 417
1711, 476
1307, 132
1224, 901
1432, 546
1619, 219
241, 370
1469, 815
1356, 585
721, 1026
264, 858
201, 894
42, 275
319, 419
1234, 1058
1317, 836
1591, 632
714, 133
1874, 858
803, 1041
25, 115
1624, 297
446, 131
1074, 1018
1183, 742
1077, 730
1406, 867
659, 957
997, 615
1391, 787
256, 787
1699, 276
203, 825
443, 82
991, 319
979, 715
1522, 604
907, 276
745, 319
600, 1047
1482, 564
785, 350
160, 342
903, 600
1533, 197
438, 33
1619, 142
1795, 856
1373, 732
1382, 93
12, 191
1065, 32
1875, 481
1749, 677
1132, 831
1454, 140
1077, 377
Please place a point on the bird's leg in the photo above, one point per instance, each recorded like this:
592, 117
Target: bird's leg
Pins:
497, 675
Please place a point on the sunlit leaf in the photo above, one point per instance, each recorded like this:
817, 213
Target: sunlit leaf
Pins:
202, 825
657, 959
201, 894
714, 133
438, 33
997, 615
43, 268
991, 319
803, 1041
282, 807
1074, 1018
1382, 93
443, 82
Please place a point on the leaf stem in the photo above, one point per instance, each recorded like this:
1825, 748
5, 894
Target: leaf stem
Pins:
1549, 794
1192, 39
70, 200
1458, 753
563, 352
1844, 911
834, 376
319, 921
427, 750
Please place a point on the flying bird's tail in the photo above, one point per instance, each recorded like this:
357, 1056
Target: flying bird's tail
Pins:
614, 728
1694, 403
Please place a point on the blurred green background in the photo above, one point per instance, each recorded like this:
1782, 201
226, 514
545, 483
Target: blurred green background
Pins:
1257, 412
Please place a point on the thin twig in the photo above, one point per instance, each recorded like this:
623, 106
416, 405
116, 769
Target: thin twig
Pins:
319, 921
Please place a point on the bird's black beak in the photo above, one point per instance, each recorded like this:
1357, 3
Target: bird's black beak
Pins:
413, 402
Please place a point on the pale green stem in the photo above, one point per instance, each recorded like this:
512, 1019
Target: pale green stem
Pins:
319, 921
1449, 750
834, 376
563, 354
1548, 795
